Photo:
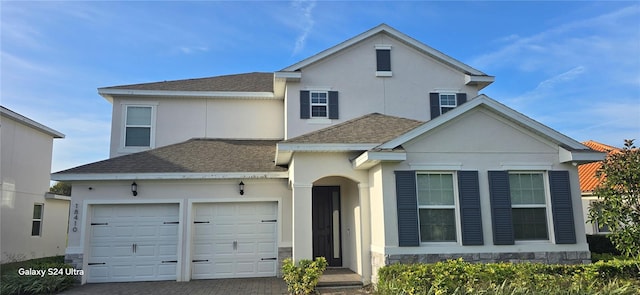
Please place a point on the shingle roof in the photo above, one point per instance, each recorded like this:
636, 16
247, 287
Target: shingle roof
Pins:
249, 82
587, 172
371, 128
192, 156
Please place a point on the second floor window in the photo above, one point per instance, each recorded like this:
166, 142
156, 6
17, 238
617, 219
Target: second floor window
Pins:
138, 125
447, 102
319, 104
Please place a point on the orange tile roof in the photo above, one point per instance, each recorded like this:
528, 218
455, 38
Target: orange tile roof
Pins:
587, 172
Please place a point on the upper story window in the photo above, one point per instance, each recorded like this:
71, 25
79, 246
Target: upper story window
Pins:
36, 224
138, 130
529, 206
436, 207
447, 102
319, 104
442, 102
383, 60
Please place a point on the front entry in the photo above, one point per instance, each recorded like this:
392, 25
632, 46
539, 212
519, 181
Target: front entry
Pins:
326, 224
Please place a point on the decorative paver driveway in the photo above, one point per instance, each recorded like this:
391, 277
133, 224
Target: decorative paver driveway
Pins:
251, 286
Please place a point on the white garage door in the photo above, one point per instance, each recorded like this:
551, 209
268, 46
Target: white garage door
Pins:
233, 240
133, 243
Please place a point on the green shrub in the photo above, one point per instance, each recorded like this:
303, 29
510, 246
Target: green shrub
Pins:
601, 244
459, 277
303, 278
54, 280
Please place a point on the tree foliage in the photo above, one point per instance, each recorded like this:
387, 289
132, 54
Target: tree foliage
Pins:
618, 204
61, 188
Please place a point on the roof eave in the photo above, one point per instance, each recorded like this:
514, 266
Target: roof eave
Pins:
479, 81
369, 159
31, 123
108, 93
581, 156
160, 176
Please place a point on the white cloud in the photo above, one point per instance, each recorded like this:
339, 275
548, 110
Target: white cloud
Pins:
306, 22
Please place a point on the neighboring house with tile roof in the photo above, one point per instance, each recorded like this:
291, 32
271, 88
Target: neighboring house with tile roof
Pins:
588, 183
34, 222
377, 150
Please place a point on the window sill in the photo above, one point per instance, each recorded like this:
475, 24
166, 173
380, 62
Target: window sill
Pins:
532, 242
320, 121
384, 73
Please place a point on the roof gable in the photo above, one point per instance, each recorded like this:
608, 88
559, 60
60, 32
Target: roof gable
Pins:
473, 75
498, 108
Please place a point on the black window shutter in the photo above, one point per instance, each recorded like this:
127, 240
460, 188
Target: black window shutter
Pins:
383, 57
305, 105
407, 203
461, 98
434, 104
469, 193
561, 207
333, 105
500, 196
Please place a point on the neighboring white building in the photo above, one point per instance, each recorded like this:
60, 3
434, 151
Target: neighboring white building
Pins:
377, 150
34, 222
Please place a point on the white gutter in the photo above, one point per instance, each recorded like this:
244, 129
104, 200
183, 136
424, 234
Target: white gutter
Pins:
158, 176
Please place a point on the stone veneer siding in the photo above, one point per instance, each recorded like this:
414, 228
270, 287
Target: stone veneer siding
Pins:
283, 253
74, 259
379, 260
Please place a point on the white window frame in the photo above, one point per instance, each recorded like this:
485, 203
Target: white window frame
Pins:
448, 106
546, 206
455, 207
33, 219
316, 104
152, 127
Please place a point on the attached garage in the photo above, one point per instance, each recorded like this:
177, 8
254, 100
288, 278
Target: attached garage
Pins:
133, 242
234, 240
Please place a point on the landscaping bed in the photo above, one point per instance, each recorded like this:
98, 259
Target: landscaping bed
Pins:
460, 277
47, 275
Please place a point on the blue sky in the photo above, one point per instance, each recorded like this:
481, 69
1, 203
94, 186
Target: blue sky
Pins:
573, 66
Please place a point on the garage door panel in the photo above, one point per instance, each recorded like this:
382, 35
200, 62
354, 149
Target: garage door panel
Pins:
236, 240
130, 243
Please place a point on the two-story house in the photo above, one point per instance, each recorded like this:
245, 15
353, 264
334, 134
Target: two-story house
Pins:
34, 222
374, 151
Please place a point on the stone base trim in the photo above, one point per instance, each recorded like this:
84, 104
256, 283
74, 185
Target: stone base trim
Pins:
379, 260
74, 259
283, 253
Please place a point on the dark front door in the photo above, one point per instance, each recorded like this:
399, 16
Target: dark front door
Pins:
326, 224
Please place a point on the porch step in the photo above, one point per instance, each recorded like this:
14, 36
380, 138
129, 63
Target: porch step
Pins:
339, 278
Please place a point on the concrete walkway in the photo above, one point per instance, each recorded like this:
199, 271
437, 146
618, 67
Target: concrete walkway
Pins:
251, 286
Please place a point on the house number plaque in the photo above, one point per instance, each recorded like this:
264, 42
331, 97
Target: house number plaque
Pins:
75, 218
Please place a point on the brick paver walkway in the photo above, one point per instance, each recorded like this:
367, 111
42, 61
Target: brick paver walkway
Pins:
251, 286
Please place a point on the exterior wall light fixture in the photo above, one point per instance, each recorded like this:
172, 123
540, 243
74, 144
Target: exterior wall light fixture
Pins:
241, 187
134, 188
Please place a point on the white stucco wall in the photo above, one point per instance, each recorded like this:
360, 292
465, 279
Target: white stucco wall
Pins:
482, 141
352, 72
25, 167
180, 118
